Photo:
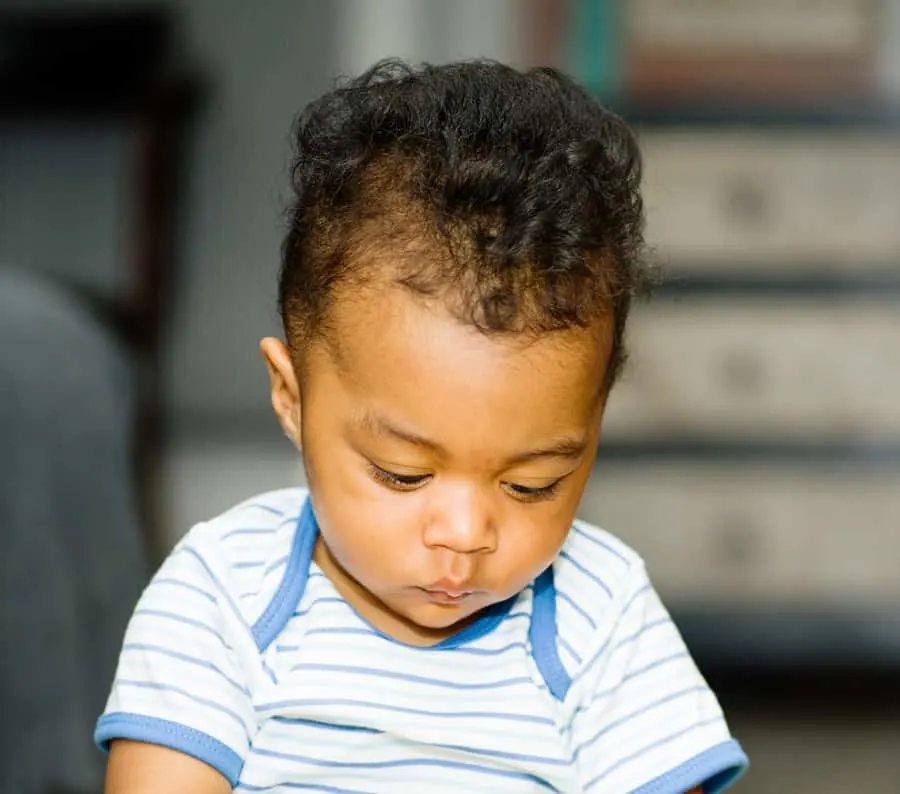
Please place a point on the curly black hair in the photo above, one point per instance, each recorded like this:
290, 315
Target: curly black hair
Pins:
512, 196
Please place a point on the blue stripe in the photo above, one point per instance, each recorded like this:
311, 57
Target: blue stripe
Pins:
569, 649
632, 675
589, 666
568, 599
372, 671
469, 715
215, 580
327, 726
313, 604
644, 750
187, 585
159, 613
266, 508
518, 615
269, 671
363, 631
658, 663
460, 748
141, 646
249, 531
535, 759
240, 566
590, 574
277, 563
643, 630
475, 651
349, 630
716, 769
637, 594
139, 728
302, 787
404, 762
601, 543
641, 711
184, 693
586, 668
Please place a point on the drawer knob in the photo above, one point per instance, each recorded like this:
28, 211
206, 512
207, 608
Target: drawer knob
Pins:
746, 204
737, 543
741, 373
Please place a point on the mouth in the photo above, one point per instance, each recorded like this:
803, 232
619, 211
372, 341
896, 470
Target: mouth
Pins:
447, 595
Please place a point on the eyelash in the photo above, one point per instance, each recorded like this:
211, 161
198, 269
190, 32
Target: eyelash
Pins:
401, 482
526, 494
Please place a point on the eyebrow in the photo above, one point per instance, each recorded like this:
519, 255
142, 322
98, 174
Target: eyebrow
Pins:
568, 448
380, 426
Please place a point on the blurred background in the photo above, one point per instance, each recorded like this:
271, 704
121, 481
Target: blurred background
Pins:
752, 453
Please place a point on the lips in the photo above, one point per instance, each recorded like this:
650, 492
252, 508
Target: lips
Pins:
448, 591
447, 596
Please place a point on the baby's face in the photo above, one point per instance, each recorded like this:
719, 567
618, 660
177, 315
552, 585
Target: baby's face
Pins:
445, 466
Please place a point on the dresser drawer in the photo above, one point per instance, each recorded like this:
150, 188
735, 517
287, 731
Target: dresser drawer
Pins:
745, 370
827, 27
756, 536
773, 200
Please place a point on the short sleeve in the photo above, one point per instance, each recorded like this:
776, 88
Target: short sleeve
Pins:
646, 722
183, 678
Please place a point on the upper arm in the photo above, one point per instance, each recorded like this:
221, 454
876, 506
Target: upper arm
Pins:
185, 675
646, 719
139, 768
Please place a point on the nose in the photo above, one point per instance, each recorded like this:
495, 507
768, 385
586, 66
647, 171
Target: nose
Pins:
461, 520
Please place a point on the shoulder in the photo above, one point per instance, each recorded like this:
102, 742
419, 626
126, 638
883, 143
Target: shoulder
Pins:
596, 577
595, 567
246, 549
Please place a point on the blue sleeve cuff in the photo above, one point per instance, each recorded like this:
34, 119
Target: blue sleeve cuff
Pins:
715, 770
120, 725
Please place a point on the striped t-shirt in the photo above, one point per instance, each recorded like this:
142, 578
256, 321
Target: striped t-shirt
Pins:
242, 654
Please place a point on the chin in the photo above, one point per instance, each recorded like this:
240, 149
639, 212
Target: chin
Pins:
441, 617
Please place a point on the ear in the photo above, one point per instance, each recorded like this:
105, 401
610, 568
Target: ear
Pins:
284, 386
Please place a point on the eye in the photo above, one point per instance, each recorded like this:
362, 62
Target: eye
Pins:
526, 494
398, 482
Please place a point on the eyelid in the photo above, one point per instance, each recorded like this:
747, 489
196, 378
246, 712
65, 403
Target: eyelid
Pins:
399, 482
527, 493
533, 495
520, 479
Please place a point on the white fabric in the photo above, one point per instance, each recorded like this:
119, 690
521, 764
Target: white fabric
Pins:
333, 705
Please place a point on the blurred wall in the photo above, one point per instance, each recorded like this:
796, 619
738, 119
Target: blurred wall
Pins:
262, 63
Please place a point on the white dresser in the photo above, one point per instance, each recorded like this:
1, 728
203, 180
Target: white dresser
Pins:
752, 451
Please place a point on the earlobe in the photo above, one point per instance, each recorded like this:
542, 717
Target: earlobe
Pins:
284, 387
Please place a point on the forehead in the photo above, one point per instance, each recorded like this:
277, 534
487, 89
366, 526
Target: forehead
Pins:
408, 357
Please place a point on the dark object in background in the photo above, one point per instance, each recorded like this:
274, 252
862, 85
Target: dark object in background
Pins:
72, 563
79, 391
57, 62
59, 67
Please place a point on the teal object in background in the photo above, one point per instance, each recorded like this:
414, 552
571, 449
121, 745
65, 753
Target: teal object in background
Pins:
596, 36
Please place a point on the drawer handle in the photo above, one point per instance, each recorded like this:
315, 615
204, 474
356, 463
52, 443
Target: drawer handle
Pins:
737, 543
742, 373
747, 205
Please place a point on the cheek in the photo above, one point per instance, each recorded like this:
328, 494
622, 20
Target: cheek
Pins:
369, 536
528, 551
